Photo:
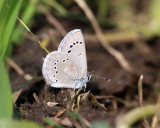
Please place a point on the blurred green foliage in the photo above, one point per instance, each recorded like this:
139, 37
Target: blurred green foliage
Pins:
141, 17
8, 14
5, 93
28, 11
51, 123
4, 123
155, 16
100, 124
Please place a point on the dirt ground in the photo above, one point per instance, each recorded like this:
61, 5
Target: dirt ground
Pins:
144, 58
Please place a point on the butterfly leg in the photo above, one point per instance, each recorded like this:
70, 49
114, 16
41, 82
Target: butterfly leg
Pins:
85, 87
75, 87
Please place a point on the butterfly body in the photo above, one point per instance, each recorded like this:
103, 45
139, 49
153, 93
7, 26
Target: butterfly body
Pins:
67, 67
82, 82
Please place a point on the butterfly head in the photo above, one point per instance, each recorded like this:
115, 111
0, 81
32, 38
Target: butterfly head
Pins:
82, 82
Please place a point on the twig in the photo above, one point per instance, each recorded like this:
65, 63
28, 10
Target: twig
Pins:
16, 95
51, 104
155, 117
113, 37
137, 114
113, 97
36, 98
140, 90
154, 121
18, 69
118, 55
116, 37
33, 35
53, 21
115, 105
59, 113
140, 97
86, 123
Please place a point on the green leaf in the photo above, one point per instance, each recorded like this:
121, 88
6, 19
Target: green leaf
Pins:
102, 8
2, 3
17, 124
8, 16
6, 107
100, 124
75, 115
26, 16
155, 16
58, 7
51, 123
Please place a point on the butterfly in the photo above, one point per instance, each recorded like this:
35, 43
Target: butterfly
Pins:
67, 67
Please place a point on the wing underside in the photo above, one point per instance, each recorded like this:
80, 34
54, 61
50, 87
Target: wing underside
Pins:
73, 45
59, 70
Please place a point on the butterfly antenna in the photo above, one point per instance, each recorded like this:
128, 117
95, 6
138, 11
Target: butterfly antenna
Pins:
34, 36
92, 72
100, 77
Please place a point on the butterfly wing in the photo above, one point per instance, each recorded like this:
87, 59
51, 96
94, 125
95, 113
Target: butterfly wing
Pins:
73, 45
59, 71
